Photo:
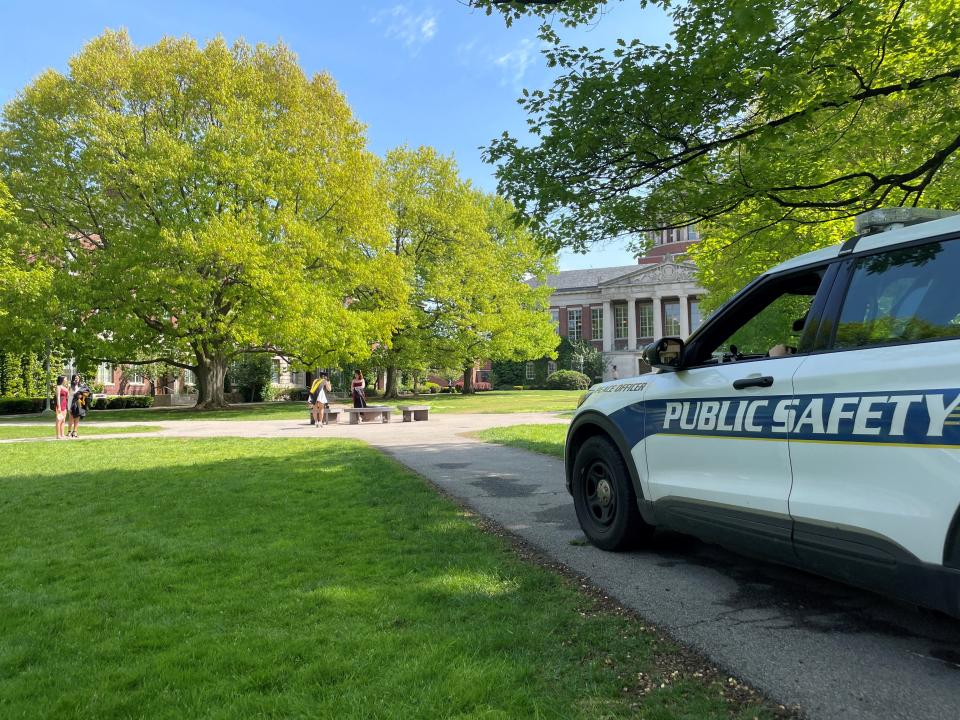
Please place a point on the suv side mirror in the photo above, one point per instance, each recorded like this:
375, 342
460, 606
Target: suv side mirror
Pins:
665, 354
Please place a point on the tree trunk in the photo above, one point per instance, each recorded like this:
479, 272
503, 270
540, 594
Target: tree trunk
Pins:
210, 372
390, 391
468, 380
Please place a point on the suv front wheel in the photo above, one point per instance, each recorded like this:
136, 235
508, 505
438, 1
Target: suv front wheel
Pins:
604, 499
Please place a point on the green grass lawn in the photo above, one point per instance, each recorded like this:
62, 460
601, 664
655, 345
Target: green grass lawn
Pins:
497, 401
232, 578
11, 432
546, 439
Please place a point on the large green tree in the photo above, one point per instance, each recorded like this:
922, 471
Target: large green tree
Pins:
505, 315
467, 262
27, 303
193, 204
770, 111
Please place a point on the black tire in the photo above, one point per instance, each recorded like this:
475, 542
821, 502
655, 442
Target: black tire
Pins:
604, 498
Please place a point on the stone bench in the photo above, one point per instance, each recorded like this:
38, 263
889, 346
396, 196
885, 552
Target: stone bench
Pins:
332, 415
413, 413
374, 412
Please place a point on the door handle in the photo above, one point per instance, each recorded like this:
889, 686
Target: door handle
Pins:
748, 382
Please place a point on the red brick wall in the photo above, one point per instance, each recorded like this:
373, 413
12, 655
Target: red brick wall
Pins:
119, 386
586, 321
657, 253
563, 322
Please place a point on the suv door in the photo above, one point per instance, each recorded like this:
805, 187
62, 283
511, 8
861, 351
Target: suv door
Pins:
718, 463
876, 444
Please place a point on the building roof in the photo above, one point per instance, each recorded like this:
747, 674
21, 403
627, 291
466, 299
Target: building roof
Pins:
577, 279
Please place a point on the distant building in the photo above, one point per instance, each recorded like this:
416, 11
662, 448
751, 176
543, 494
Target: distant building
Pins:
669, 244
622, 309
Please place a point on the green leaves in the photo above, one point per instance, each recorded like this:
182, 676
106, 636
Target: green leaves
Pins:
816, 109
192, 202
467, 262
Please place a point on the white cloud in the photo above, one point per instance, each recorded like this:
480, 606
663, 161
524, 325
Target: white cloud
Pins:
412, 29
514, 63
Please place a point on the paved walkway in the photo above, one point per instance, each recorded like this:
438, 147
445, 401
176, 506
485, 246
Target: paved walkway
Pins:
835, 651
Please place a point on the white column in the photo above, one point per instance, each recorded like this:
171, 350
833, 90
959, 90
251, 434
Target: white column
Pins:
657, 318
632, 324
607, 326
684, 316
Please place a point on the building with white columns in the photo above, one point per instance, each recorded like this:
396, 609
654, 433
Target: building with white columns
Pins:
622, 309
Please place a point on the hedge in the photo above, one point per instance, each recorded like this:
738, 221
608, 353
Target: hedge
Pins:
119, 402
25, 406
568, 380
21, 406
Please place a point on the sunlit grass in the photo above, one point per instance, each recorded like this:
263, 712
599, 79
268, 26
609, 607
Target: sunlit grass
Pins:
11, 432
231, 578
544, 438
497, 401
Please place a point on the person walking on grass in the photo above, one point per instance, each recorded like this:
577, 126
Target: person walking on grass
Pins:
78, 402
358, 388
61, 396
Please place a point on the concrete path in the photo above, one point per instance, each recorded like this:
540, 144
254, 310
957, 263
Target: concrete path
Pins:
834, 650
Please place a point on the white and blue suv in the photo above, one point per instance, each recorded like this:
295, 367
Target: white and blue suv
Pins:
813, 420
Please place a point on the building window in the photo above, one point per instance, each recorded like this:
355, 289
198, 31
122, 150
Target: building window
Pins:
574, 324
134, 377
671, 317
620, 322
645, 320
275, 372
551, 367
531, 374
105, 374
189, 378
596, 323
555, 316
695, 318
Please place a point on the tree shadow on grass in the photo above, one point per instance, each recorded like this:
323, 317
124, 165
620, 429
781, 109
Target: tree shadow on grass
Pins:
170, 578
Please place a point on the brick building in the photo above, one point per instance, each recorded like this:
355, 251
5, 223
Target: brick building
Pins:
622, 309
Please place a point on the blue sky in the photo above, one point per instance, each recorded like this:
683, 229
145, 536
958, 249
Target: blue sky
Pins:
421, 73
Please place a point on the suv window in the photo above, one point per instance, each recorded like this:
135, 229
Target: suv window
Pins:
902, 295
767, 322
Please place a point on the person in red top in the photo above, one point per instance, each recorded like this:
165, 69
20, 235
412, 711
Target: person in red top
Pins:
358, 388
61, 400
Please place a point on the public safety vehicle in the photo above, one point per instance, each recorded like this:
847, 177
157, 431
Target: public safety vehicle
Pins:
813, 420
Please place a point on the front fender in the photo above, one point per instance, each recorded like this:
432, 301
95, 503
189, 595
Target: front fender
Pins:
587, 424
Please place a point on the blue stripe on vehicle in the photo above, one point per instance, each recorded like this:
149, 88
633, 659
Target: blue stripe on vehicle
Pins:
916, 418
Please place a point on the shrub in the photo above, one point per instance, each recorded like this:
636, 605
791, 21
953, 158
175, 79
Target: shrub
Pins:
518, 387
139, 401
568, 380
99, 403
117, 402
431, 387
276, 393
477, 386
21, 406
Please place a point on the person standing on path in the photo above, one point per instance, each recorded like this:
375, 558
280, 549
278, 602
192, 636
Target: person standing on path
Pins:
62, 402
358, 389
78, 403
318, 399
